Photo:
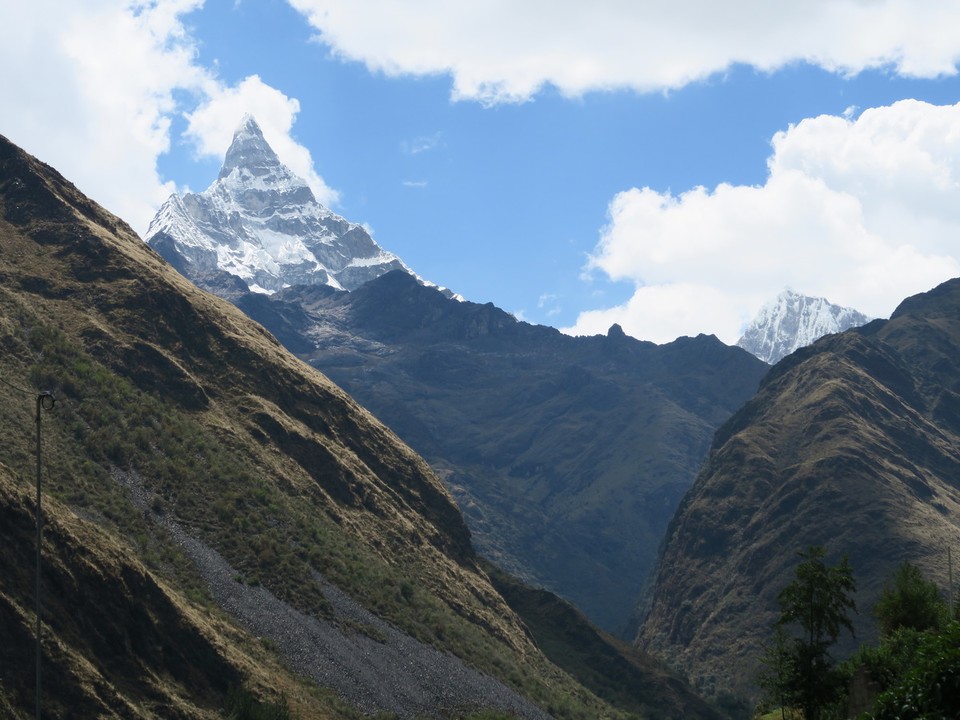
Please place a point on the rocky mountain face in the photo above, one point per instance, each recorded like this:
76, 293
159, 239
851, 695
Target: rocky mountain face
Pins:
217, 514
568, 456
852, 443
793, 321
258, 227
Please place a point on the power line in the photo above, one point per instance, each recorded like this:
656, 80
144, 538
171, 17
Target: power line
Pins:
17, 388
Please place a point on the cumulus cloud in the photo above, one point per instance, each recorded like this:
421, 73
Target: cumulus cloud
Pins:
91, 89
507, 51
88, 87
213, 123
864, 212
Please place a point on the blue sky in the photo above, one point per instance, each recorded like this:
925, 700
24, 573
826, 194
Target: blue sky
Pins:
663, 166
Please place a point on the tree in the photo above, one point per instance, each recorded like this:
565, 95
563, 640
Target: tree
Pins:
776, 679
910, 601
819, 601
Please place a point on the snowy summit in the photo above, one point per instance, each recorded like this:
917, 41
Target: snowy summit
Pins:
793, 321
259, 227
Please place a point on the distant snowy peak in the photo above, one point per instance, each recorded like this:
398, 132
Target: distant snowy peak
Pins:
260, 226
249, 151
793, 321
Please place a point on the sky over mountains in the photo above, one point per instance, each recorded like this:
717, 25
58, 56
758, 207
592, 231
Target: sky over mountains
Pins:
669, 167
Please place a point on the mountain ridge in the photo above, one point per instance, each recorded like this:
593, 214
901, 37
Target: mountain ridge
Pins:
569, 469
850, 443
81, 256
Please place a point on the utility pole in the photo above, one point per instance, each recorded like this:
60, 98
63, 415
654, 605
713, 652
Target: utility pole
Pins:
950, 584
45, 401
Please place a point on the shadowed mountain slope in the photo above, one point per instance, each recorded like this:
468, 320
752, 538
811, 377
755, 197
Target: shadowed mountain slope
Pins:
567, 455
217, 512
852, 443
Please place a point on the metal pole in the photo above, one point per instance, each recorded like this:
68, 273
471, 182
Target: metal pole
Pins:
45, 401
950, 584
39, 539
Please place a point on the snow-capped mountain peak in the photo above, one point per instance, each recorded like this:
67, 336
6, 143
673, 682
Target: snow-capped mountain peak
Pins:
792, 321
249, 151
260, 226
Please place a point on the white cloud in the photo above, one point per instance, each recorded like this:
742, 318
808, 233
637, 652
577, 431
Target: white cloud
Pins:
414, 183
88, 87
863, 212
547, 303
422, 144
506, 51
213, 123
91, 88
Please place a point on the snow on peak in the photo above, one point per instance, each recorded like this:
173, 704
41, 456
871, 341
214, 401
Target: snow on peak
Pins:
792, 321
249, 150
261, 223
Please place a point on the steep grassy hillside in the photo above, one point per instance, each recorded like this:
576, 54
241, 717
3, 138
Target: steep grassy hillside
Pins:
102, 587
567, 455
854, 444
204, 488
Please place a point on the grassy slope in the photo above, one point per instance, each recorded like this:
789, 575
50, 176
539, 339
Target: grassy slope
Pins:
255, 453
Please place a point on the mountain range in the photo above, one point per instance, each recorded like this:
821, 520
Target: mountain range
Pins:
567, 455
219, 515
259, 228
852, 443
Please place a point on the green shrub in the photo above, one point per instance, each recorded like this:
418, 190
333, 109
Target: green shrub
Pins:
931, 687
888, 661
910, 601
